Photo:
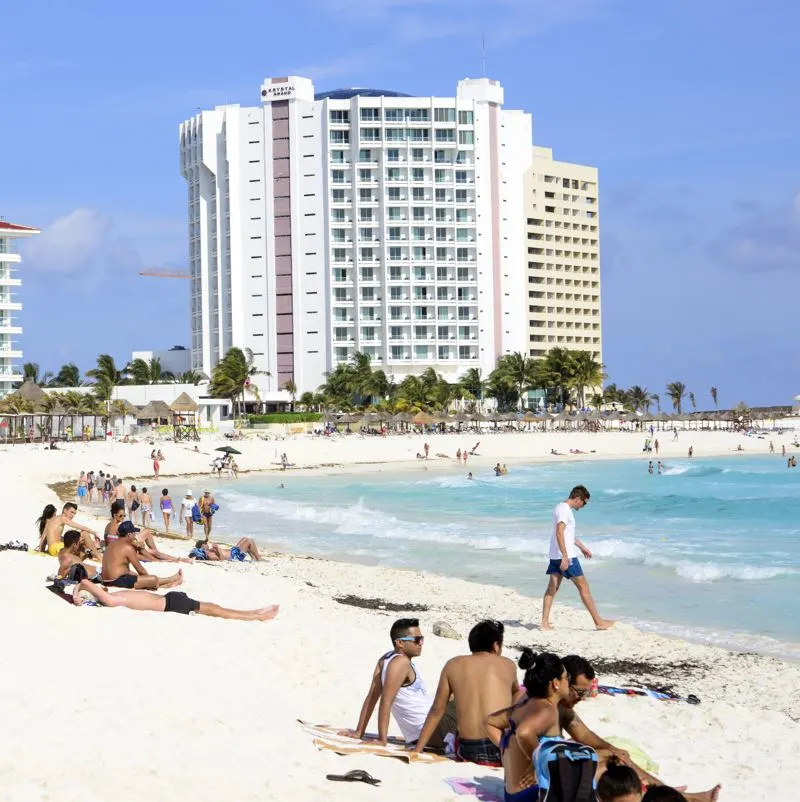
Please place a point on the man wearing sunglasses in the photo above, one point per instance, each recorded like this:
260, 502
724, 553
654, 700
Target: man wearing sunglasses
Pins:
398, 689
564, 562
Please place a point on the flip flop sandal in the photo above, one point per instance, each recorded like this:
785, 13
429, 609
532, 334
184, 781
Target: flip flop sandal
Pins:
358, 775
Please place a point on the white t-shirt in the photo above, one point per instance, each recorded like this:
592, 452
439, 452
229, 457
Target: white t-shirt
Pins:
187, 505
562, 514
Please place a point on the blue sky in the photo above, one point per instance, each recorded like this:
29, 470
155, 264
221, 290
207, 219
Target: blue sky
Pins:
689, 109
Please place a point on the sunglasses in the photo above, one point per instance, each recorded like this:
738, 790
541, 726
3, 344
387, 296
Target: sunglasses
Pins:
581, 693
415, 638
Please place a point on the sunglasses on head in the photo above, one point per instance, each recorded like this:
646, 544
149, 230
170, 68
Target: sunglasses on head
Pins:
415, 638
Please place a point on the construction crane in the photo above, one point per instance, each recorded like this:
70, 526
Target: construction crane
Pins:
157, 272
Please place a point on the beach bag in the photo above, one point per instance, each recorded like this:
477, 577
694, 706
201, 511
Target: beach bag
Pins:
135, 506
196, 516
213, 508
565, 771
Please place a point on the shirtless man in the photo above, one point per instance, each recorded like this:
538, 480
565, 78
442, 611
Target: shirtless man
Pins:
480, 683
131, 498
206, 500
146, 508
118, 492
581, 674
51, 540
143, 538
214, 552
173, 602
120, 555
73, 553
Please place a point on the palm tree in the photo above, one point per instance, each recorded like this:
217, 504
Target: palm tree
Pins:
233, 374
49, 403
307, 400
30, 370
586, 372
519, 370
693, 401
107, 376
290, 388
677, 392
69, 375
638, 398
189, 377
148, 372
473, 383
117, 408
714, 397
656, 399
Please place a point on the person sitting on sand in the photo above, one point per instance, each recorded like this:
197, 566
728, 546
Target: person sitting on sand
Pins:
120, 555
555, 453
172, 602
530, 723
581, 673
398, 687
619, 783
51, 526
479, 683
73, 554
216, 553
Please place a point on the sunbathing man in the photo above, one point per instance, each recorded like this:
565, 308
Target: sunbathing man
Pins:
581, 674
398, 686
120, 555
480, 683
71, 556
51, 527
172, 602
215, 553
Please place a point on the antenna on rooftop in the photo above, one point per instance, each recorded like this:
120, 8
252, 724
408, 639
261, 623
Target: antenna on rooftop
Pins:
483, 56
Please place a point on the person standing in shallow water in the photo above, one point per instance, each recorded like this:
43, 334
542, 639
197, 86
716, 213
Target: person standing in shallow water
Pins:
564, 562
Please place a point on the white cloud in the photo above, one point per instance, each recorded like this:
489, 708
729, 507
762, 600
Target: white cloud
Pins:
82, 242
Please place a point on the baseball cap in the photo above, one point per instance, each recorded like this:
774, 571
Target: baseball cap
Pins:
127, 528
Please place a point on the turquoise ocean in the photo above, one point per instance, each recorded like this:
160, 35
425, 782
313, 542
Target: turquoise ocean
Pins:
709, 550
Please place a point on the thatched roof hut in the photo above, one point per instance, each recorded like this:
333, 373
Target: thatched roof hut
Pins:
155, 410
184, 403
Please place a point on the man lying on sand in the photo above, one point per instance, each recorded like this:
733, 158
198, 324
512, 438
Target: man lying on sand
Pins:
120, 555
398, 686
581, 674
479, 683
216, 553
172, 602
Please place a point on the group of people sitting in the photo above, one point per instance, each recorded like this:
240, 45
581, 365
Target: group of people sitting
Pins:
483, 715
121, 552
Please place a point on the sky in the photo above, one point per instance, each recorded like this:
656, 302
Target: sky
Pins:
687, 107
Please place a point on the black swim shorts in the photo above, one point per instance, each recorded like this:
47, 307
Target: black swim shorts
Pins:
126, 581
179, 602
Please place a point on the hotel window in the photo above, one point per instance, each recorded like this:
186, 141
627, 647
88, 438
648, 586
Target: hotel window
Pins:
441, 293
441, 215
392, 154
462, 254
394, 213
421, 253
462, 235
365, 234
370, 134
395, 134
340, 137
465, 118
441, 196
444, 352
365, 195
419, 134
461, 157
461, 196
461, 215
397, 352
367, 293
395, 254
337, 215
365, 215
440, 156
393, 194
396, 274
461, 176
440, 176
340, 116
441, 234
339, 254
394, 232
365, 175
367, 255
340, 294
441, 115
418, 116
393, 115
365, 155
368, 333
370, 115
337, 235
418, 212
392, 173
418, 232
417, 154
441, 255
418, 193
337, 157
441, 273
396, 293
337, 176
417, 174
445, 135
463, 274
463, 352
337, 195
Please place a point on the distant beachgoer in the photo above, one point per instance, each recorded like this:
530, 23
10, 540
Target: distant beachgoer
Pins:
458, 455
132, 502
475, 447
479, 683
650, 467
119, 489
156, 468
399, 687
469, 475
166, 508
464, 456
160, 456
187, 507
783, 451
771, 447
498, 470
208, 507
120, 555
172, 602
564, 562
215, 553
655, 445
660, 467
691, 451
505, 470
674, 433
82, 491
146, 503
426, 448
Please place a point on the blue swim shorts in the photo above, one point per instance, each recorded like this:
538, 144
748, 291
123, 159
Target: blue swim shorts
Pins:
574, 570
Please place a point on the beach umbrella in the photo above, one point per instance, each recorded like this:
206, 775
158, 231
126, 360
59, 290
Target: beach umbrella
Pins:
228, 450
422, 419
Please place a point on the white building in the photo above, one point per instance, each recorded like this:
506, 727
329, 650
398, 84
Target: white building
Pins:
563, 253
9, 350
176, 360
358, 220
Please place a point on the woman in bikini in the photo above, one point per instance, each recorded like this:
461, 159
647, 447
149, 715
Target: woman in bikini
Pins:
166, 507
530, 722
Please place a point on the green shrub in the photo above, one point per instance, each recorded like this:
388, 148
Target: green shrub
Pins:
286, 417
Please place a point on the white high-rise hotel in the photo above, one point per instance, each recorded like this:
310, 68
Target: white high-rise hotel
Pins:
361, 220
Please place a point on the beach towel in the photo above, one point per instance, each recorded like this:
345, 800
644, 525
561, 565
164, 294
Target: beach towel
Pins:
328, 738
662, 696
485, 789
638, 755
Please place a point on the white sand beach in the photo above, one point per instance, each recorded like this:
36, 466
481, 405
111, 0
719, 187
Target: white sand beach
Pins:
110, 703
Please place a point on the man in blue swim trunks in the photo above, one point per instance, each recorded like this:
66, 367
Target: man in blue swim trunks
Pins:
564, 562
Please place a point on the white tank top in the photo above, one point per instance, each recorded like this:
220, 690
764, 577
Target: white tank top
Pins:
411, 705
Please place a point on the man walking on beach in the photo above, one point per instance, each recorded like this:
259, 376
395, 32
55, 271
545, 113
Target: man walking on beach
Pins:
564, 562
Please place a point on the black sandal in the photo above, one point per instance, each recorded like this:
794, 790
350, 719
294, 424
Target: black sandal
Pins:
355, 776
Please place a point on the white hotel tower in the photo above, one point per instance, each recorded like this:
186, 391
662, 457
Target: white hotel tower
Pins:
358, 220
9, 374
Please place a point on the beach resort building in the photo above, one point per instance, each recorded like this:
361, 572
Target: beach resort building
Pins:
10, 374
321, 224
562, 240
175, 360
